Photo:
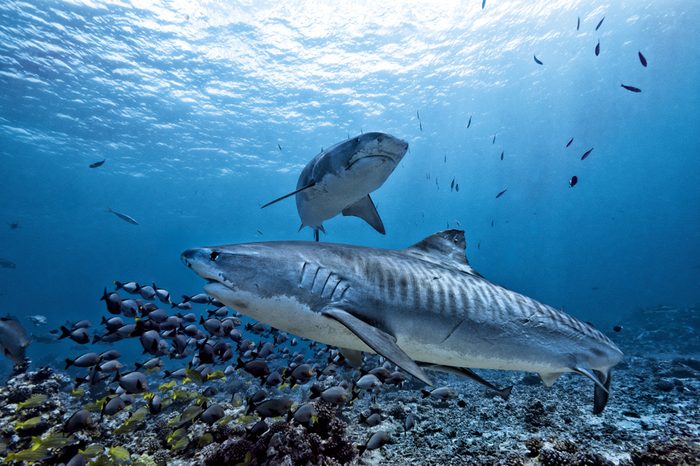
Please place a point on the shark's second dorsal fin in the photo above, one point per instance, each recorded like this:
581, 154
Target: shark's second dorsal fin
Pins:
444, 248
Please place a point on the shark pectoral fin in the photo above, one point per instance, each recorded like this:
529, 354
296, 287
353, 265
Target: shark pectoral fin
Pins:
381, 342
354, 357
310, 185
364, 209
600, 394
549, 377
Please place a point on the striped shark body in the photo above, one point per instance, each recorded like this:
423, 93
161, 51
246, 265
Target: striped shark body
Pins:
420, 307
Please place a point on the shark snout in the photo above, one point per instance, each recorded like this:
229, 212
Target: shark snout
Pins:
197, 258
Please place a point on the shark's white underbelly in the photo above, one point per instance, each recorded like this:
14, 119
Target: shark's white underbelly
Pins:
288, 314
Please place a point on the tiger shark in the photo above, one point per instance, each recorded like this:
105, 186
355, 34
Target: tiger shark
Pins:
340, 179
423, 307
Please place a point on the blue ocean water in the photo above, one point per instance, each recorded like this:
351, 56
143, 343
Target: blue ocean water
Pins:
188, 102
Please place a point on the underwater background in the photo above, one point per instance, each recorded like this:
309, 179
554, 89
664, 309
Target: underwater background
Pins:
204, 111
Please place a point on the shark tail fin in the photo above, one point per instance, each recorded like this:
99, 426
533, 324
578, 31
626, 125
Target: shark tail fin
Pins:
310, 185
601, 394
365, 209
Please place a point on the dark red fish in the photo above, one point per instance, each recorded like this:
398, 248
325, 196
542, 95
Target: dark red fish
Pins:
587, 153
573, 181
631, 88
501, 194
570, 141
537, 60
642, 59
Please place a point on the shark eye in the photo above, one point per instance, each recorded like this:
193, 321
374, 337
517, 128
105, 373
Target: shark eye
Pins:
213, 255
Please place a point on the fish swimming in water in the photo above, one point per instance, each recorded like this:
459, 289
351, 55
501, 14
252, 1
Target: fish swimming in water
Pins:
578, 23
421, 305
642, 59
499, 195
597, 49
469, 123
340, 180
7, 264
600, 23
98, 164
126, 218
569, 143
586, 154
631, 88
537, 60
14, 339
573, 181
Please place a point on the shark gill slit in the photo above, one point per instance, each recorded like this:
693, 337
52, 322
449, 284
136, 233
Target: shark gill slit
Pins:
330, 274
301, 274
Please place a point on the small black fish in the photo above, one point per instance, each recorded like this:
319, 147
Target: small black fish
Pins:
417, 115
617, 328
597, 49
587, 153
600, 23
631, 88
280, 147
573, 181
420, 125
14, 225
642, 59
492, 222
469, 123
494, 139
502, 155
483, 4
457, 187
478, 245
539, 62
452, 185
98, 164
578, 23
445, 160
499, 195
570, 141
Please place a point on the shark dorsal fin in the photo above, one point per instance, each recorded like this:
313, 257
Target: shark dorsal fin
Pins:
444, 248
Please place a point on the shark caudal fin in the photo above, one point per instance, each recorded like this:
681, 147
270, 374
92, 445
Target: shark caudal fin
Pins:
601, 394
365, 209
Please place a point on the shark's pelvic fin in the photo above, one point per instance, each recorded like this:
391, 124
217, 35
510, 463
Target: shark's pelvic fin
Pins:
444, 248
466, 372
549, 377
310, 185
381, 342
365, 209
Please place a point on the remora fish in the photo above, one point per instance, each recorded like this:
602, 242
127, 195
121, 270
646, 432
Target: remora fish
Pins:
423, 304
341, 178
124, 217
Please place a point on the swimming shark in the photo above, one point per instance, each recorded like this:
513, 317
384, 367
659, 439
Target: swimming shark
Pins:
422, 307
340, 179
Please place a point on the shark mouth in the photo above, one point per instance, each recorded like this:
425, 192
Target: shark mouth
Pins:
383, 156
